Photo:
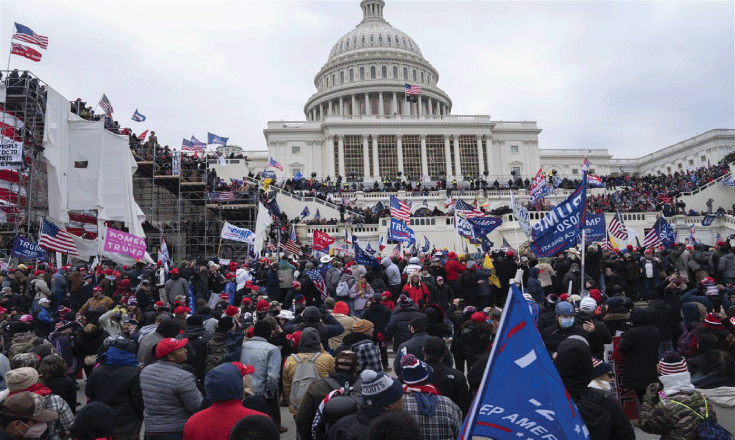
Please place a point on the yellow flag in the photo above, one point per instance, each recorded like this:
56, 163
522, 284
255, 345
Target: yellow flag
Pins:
488, 264
612, 242
266, 183
331, 252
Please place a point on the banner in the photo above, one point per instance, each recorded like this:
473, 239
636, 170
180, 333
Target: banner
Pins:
362, 257
321, 240
594, 181
120, 242
596, 229
11, 154
539, 190
232, 232
521, 394
25, 249
399, 231
175, 164
520, 213
558, 230
269, 175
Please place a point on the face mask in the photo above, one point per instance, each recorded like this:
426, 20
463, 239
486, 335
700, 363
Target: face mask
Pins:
36, 430
566, 322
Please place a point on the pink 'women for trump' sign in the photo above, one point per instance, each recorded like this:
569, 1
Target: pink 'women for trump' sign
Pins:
121, 242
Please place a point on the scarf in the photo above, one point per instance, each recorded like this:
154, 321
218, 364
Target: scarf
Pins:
36, 388
676, 383
426, 397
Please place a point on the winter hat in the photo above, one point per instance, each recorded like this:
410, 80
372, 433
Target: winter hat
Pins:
377, 297
710, 287
672, 363
93, 421
294, 338
262, 305
311, 314
21, 378
231, 311
246, 301
299, 299
414, 371
479, 317
25, 360
712, 321
563, 297
596, 295
404, 301
159, 304
387, 295
468, 311
225, 322
295, 284
379, 390
362, 326
195, 321
181, 310
341, 307
435, 347
588, 305
262, 329
168, 329
599, 367
690, 312
224, 382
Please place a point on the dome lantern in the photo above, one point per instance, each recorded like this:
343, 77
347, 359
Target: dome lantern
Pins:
372, 9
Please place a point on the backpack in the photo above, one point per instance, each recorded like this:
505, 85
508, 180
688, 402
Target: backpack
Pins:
304, 376
352, 429
595, 417
707, 429
343, 288
337, 406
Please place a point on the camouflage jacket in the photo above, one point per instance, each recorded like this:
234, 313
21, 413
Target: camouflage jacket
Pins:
672, 420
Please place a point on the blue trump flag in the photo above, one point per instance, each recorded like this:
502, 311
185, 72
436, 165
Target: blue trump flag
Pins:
362, 257
521, 394
25, 249
596, 230
269, 174
399, 231
214, 139
558, 230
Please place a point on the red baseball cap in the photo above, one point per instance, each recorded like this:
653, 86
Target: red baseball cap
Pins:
174, 270
244, 369
168, 345
231, 311
160, 303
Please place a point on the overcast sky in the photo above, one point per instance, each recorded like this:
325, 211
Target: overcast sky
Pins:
632, 77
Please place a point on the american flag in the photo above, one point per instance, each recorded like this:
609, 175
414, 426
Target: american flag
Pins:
291, 245
105, 104
270, 247
318, 281
399, 209
466, 210
196, 143
720, 241
221, 196
606, 243
617, 229
507, 246
652, 239
381, 243
274, 163
24, 33
397, 250
412, 90
55, 239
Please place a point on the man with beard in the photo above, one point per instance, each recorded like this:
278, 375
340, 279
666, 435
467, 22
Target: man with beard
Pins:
175, 286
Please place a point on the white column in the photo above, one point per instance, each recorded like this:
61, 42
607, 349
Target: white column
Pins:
488, 155
424, 159
380, 104
341, 107
365, 157
354, 106
447, 156
320, 112
329, 155
399, 150
331, 110
457, 165
341, 155
480, 156
394, 105
420, 108
376, 170
368, 109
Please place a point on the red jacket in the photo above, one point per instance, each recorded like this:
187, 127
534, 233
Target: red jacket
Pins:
216, 422
454, 268
417, 293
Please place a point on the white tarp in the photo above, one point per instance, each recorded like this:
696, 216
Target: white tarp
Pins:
89, 168
262, 223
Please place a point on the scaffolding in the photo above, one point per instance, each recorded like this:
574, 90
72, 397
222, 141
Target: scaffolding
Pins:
24, 199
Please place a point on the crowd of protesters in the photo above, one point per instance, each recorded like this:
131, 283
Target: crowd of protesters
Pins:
214, 350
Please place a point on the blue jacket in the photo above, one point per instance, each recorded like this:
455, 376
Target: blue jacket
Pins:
703, 299
58, 282
266, 358
44, 316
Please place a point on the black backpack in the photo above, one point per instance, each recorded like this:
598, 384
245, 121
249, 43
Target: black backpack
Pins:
338, 407
350, 429
595, 417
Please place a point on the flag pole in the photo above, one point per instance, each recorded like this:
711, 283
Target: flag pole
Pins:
10, 52
584, 251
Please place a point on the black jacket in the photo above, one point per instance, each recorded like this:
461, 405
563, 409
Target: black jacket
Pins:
397, 327
553, 335
451, 383
415, 346
663, 318
379, 315
117, 386
639, 345
66, 388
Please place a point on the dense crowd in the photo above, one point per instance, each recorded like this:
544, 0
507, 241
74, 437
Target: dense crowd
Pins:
213, 350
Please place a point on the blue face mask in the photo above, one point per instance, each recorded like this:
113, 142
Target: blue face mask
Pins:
566, 322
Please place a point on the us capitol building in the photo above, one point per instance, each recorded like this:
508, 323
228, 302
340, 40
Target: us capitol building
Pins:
360, 125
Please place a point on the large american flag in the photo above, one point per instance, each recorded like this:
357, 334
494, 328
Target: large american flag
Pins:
399, 209
652, 239
221, 196
318, 281
290, 244
617, 229
397, 250
274, 163
507, 246
55, 239
412, 90
24, 33
105, 104
720, 241
466, 210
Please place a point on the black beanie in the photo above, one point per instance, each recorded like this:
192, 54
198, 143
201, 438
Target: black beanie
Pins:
226, 322
195, 320
262, 329
93, 421
168, 329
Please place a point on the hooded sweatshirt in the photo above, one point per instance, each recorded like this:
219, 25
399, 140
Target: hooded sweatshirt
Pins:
309, 346
391, 271
224, 387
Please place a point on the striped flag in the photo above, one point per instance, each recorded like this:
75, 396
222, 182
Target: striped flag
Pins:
606, 243
397, 250
318, 281
412, 90
274, 163
56, 239
381, 243
466, 210
26, 52
24, 33
399, 209
507, 247
221, 196
692, 230
270, 247
616, 227
652, 239
137, 117
105, 104
291, 244
720, 241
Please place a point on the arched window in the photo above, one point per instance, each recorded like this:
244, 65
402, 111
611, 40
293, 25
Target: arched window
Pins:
405, 73
395, 72
404, 42
352, 75
354, 42
380, 38
372, 72
384, 72
327, 79
414, 74
341, 45
410, 45
372, 38
389, 39
334, 80
347, 43
342, 77
422, 77
363, 39
362, 73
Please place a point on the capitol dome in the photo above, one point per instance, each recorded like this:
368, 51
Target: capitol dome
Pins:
367, 71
